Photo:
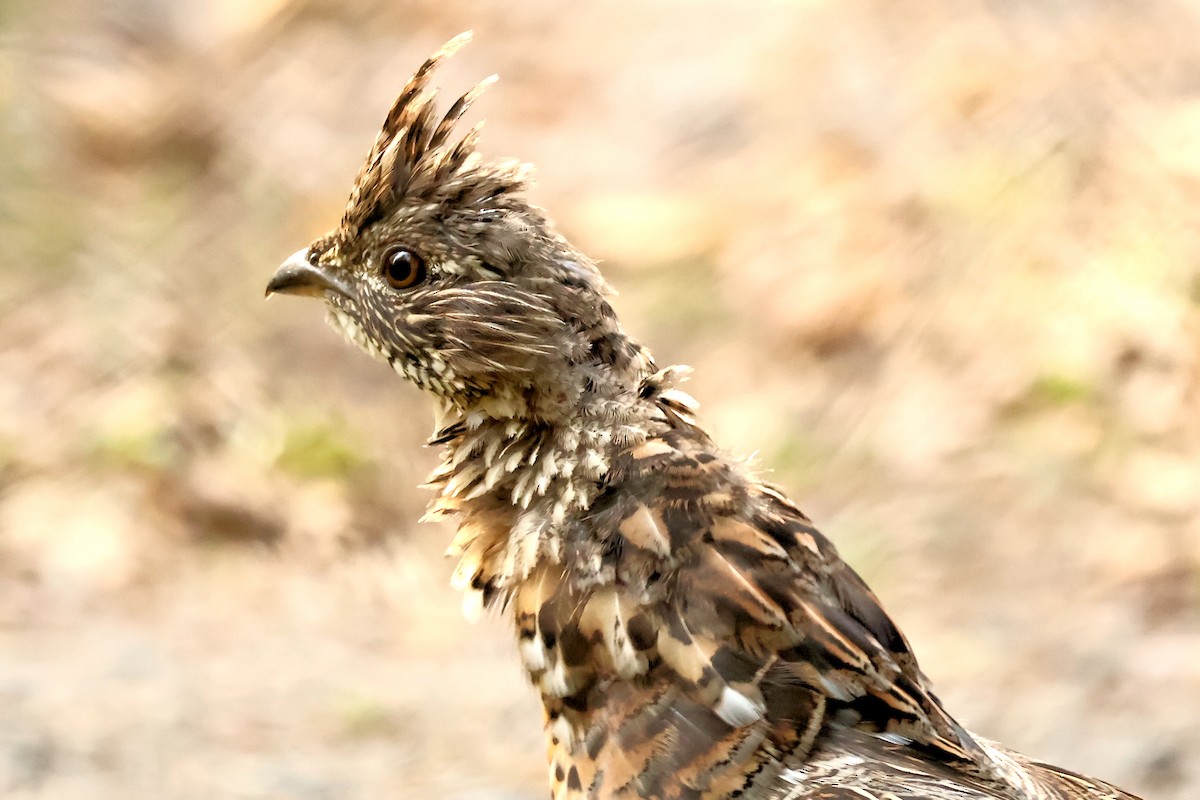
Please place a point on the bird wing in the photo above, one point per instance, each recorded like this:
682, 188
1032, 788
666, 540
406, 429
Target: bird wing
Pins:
850, 764
700, 635
757, 607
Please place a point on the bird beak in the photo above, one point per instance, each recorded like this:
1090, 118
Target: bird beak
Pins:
299, 276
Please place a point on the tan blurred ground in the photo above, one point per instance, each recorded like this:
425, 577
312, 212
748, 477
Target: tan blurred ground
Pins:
937, 263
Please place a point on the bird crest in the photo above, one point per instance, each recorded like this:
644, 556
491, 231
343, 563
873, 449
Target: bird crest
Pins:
415, 158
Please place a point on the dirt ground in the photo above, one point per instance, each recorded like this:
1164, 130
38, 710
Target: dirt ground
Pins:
935, 263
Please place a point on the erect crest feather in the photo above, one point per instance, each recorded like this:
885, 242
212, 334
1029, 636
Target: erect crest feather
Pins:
414, 156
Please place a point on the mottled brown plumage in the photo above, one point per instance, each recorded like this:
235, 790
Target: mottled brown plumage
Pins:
691, 633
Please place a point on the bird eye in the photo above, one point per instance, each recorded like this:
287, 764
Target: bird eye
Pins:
403, 268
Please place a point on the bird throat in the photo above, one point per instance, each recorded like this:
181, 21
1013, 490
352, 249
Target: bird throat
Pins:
515, 485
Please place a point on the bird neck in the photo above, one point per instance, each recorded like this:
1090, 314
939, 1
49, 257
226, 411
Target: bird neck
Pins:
555, 464
515, 484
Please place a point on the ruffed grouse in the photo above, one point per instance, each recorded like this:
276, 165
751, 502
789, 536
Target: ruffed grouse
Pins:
691, 633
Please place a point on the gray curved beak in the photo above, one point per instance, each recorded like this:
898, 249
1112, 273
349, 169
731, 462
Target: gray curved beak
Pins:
299, 276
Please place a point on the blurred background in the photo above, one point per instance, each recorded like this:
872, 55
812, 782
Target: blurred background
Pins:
936, 263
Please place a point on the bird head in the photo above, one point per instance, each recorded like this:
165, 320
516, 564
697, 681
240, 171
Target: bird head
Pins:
442, 268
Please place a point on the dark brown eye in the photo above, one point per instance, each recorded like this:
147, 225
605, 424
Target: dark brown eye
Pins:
403, 268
